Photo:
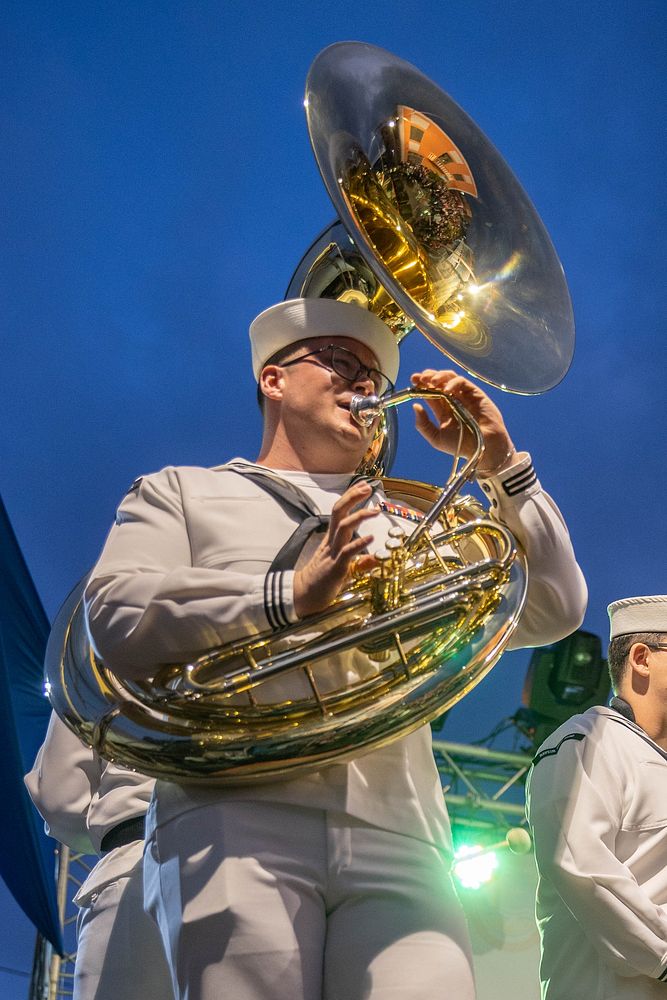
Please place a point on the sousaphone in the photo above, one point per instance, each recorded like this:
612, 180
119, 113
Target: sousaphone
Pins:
434, 232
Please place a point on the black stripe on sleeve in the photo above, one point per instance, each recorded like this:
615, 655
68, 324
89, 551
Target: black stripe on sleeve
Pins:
520, 482
662, 978
274, 599
281, 600
268, 601
550, 751
278, 606
276, 611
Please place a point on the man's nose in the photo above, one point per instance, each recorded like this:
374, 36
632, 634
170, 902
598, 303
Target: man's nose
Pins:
364, 385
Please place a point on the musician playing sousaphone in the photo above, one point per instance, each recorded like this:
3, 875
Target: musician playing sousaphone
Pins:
335, 882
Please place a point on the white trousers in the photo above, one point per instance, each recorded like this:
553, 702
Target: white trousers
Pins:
119, 952
264, 901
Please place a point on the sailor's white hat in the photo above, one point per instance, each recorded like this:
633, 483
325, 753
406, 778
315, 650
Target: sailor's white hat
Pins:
638, 614
300, 319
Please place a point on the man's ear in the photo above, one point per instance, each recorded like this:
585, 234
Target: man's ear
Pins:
271, 381
638, 659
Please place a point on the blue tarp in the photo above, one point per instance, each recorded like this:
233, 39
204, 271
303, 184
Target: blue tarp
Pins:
26, 853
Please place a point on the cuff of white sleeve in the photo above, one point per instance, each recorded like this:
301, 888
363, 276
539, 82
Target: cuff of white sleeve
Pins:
518, 480
279, 598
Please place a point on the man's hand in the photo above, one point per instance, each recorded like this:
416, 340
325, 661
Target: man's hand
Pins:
443, 434
318, 582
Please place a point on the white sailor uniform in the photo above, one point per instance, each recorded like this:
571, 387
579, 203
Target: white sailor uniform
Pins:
597, 805
320, 885
89, 804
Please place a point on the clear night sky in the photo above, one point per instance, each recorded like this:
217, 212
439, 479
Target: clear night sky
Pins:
159, 189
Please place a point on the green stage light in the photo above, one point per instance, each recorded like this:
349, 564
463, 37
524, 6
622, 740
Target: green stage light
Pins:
475, 871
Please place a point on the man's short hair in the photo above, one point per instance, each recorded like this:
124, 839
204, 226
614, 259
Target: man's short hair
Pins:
619, 650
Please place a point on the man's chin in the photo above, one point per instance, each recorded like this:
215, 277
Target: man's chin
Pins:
352, 431
355, 447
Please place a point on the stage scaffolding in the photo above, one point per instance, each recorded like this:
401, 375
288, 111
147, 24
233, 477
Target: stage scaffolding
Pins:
483, 787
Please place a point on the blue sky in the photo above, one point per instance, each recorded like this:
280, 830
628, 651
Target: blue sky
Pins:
159, 190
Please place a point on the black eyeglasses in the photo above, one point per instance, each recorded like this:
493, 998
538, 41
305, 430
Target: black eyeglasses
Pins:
347, 365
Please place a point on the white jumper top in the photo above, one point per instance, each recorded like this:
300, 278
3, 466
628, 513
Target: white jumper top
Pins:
597, 805
186, 567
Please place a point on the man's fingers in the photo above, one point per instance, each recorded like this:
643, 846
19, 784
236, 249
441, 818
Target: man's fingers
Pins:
449, 382
431, 379
423, 423
355, 544
430, 428
343, 531
446, 381
431, 373
350, 523
352, 493
357, 516
353, 496
353, 548
364, 563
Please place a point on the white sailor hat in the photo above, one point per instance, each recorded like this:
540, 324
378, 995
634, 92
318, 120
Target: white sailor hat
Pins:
300, 319
638, 614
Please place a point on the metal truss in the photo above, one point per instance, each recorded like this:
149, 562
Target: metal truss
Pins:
483, 788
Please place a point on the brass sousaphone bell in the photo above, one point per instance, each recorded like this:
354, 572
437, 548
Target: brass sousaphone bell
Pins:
436, 233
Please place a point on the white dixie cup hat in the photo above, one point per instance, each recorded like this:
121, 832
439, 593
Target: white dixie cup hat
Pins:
638, 614
300, 319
